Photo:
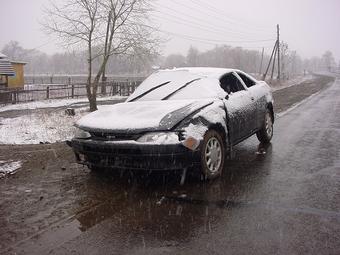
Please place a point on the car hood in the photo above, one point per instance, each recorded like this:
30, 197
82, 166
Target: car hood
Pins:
141, 116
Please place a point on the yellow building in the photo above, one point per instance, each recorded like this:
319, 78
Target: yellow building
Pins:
17, 81
11, 73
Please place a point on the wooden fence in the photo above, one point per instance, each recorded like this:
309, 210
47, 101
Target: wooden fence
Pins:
43, 92
73, 79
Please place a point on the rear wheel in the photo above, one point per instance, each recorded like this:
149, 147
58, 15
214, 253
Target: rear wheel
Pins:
212, 155
265, 134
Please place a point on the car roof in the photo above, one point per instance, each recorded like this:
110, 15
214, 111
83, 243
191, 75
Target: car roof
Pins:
208, 72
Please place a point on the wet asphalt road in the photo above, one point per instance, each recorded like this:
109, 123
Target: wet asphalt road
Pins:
285, 201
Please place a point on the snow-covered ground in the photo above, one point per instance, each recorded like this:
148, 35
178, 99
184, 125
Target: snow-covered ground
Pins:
38, 127
54, 103
288, 83
43, 127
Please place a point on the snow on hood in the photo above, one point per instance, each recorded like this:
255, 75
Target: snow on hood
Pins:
141, 115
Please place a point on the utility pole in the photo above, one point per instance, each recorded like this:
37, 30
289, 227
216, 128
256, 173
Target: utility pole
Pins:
278, 53
273, 68
261, 61
270, 61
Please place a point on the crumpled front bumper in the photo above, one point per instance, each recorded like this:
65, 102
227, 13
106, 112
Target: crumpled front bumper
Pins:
133, 155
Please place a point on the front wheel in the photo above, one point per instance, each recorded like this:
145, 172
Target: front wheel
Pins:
96, 169
265, 134
212, 155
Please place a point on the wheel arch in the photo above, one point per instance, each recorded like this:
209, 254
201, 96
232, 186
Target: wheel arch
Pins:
270, 107
221, 130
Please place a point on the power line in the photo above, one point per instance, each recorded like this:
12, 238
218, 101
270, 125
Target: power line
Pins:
198, 26
188, 23
218, 14
220, 41
214, 10
185, 19
196, 21
210, 41
42, 45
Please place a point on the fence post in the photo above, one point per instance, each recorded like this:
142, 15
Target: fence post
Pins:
134, 86
48, 92
72, 91
13, 97
103, 86
111, 89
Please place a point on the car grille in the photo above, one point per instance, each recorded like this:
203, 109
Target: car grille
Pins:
114, 136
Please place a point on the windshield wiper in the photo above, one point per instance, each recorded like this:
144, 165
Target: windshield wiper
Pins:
148, 91
180, 88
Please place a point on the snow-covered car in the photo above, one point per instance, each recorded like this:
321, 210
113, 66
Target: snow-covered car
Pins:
177, 119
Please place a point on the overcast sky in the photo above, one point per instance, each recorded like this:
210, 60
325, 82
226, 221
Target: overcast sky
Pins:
309, 26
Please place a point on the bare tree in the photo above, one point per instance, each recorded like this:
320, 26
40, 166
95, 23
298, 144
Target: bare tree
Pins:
105, 28
328, 60
14, 51
192, 57
174, 60
284, 51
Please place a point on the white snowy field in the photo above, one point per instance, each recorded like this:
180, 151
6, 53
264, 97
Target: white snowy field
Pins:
38, 128
292, 82
53, 103
48, 126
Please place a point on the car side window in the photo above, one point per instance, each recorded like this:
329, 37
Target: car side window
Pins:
249, 82
230, 83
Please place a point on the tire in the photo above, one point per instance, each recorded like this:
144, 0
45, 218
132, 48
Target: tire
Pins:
212, 155
96, 169
265, 134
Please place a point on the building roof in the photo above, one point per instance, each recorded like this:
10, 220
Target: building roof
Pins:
6, 67
18, 62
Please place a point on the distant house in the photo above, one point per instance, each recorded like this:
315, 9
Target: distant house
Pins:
11, 73
6, 70
18, 80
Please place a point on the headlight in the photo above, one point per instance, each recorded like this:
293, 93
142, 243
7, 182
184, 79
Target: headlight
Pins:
79, 133
159, 138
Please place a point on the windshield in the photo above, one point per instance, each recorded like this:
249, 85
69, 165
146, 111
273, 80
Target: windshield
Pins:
176, 85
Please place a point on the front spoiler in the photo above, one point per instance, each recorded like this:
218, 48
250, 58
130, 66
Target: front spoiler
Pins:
132, 155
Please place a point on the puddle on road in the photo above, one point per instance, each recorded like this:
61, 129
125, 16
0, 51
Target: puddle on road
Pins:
133, 200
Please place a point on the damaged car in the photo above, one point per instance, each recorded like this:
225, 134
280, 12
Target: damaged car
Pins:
177, 119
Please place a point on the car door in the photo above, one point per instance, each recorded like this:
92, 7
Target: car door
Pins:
258, 92
240, 108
